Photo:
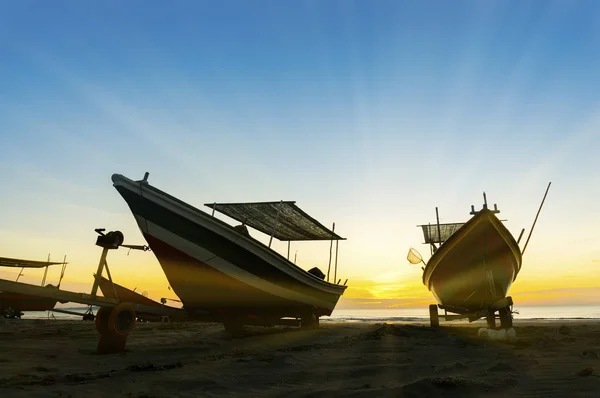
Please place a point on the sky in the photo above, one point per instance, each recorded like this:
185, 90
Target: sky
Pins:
367, 114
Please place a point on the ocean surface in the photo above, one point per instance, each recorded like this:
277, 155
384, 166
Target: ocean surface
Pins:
396, 314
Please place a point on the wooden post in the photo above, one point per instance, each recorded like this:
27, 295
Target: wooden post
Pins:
62, 271
437, 216
330, 248
46, 271
336, 258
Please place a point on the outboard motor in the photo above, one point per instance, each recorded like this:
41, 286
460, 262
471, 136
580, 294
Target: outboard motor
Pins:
316, 272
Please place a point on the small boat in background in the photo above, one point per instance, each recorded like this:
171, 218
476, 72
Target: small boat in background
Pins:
473, 268
113, 290
13, 305
219, 269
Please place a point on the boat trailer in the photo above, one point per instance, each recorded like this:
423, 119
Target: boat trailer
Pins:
503, 307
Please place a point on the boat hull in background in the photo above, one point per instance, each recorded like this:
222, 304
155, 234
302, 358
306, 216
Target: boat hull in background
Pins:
476, 266
15, 303
116, 291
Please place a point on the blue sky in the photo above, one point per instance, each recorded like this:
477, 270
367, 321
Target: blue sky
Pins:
367, 113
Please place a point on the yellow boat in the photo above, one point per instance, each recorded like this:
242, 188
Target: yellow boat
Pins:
472, 266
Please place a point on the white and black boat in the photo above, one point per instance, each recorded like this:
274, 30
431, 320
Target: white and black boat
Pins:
219, 269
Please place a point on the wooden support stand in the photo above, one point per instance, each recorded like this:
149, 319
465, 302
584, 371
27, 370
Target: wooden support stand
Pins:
503, 307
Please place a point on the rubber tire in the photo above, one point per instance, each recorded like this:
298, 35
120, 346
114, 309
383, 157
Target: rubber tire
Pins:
122, 319
102, 321
434, 317
506, 320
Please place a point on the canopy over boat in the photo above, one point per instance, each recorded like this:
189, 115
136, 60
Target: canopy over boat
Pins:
433, 234
20, 263
283, 220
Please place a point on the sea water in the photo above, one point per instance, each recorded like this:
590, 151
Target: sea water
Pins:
419, 314
394, 314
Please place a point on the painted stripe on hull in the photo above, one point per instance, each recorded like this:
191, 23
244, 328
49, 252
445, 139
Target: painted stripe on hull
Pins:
201, 286
205, 241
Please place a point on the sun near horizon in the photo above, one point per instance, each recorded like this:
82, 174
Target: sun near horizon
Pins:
367, 117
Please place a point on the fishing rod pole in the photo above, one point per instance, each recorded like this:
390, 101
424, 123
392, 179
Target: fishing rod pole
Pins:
535, 220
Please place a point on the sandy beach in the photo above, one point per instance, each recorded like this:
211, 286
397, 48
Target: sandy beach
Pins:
57, 358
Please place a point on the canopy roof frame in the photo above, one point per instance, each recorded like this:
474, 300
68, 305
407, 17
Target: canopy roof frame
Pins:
21, 263
284, 220
432, 236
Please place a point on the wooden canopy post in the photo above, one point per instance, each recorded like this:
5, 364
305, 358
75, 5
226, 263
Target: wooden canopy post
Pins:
336, 258
437, 216
46, 271
330, 248
62, 271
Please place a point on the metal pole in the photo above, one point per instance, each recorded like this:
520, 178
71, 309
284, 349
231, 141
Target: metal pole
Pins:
99, 271
62, 270
520, 235
336, 257
288, 255
330, 247
110, 279
214, 207
437, 216
430, 243
276, 220
20, 274
536, 217
45, 272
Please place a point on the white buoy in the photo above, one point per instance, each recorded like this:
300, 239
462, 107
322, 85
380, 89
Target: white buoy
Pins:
501, 334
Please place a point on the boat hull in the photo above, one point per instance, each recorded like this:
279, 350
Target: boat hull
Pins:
17, 303
212, 267
116, 291
476, 266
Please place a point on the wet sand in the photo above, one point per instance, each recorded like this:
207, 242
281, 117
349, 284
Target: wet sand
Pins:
40, 358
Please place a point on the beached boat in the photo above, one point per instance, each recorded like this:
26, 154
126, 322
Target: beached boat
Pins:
220, 269
472, 266
13, 305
